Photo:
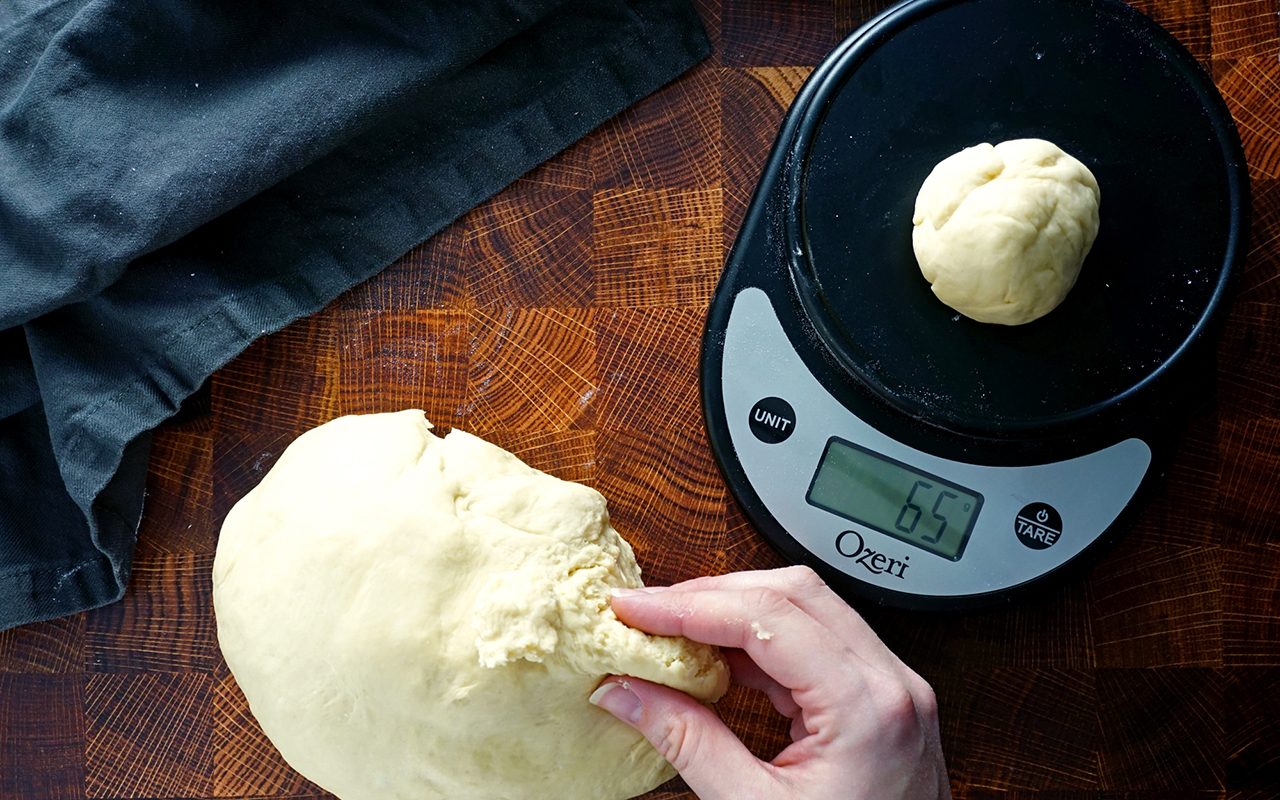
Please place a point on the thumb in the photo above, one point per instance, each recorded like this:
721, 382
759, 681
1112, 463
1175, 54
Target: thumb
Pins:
687, 734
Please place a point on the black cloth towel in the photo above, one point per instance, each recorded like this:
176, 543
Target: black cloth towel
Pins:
181, 177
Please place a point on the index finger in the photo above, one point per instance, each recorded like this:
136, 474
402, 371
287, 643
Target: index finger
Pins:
810, 594
789, 645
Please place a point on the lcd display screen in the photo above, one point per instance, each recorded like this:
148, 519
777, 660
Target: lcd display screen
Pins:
912, 506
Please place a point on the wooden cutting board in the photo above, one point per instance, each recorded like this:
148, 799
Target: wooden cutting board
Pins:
562, 319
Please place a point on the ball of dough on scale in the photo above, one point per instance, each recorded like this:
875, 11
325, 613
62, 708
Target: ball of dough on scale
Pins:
414, 617
1001, 232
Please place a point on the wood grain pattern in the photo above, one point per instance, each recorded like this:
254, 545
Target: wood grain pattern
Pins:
1250, 599
754, 102
1251, 87
244, 762
569, 455
1244, 29
1054, 629
42, 736
562, 319
531, 369
760, 33
44, 648
1252, 696
163, 624
148, 735
668, 140
1161, 728
657, 247
531, 245
1001, 725
1157, 606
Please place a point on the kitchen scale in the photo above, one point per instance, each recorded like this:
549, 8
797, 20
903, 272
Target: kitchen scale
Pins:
906, 452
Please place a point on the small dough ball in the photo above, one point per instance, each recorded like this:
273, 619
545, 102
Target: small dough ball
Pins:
1000, 232
414, 617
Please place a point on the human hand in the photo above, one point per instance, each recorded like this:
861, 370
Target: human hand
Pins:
863, 725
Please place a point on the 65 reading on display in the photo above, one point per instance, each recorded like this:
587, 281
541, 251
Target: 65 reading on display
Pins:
899, 501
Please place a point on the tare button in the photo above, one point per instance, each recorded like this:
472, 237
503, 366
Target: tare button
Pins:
1038, 525
772, 420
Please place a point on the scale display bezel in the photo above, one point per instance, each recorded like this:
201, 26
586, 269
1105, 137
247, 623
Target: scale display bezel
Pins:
953, 554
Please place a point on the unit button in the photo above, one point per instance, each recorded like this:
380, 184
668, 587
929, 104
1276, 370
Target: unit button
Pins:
1038, 525
772, 420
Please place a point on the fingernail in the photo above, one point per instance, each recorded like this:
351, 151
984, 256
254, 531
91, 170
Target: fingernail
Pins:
617, 698
639, 590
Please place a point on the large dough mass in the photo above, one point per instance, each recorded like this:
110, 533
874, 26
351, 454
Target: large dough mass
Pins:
420, 617
1001, 232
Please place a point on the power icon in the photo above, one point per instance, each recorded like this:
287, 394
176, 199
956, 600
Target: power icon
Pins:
1038, 526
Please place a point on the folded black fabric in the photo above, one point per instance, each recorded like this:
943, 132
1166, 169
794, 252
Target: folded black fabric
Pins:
178, 178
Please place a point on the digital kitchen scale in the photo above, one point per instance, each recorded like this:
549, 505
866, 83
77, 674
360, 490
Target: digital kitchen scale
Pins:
911, 454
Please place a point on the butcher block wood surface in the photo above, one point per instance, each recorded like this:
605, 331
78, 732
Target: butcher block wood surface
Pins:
562, 319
